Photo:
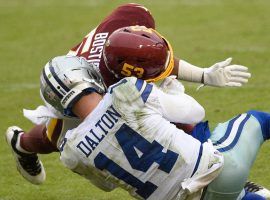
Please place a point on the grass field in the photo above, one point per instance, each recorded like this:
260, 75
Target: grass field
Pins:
201, 32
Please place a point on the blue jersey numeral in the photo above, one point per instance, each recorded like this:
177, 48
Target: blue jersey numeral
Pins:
143, 189
129, 141
151, 152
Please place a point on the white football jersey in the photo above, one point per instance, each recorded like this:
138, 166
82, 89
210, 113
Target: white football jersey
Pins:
128, 142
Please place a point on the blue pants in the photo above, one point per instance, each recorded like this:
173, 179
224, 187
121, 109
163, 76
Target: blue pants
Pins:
239, 140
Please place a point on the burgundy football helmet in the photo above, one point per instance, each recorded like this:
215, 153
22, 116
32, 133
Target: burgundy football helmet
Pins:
138, 51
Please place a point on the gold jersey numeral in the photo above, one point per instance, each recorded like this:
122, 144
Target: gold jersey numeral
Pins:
129, 70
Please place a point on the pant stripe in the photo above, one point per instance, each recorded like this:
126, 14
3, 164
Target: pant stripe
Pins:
234, 133
228, 131
198, 160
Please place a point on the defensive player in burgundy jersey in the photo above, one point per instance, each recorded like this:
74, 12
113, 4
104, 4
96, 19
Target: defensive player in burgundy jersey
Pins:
126, 15
113, 65
92, 45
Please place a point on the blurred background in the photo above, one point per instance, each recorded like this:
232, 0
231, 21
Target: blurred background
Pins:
201, 32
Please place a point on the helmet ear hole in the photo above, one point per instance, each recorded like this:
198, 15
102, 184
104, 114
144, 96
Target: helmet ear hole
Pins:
140, 60
126, 30
144, 35
120, 60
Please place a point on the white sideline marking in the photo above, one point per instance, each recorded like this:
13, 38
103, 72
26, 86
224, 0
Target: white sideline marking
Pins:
18, 86
255, 49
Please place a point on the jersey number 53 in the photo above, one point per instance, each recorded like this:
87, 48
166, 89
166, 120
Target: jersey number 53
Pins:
129, 70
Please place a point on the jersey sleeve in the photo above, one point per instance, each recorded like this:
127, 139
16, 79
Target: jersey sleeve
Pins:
180, 108
130, 94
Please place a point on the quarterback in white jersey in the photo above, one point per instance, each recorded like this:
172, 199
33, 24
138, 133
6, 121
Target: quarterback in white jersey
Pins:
128, 141
126, 138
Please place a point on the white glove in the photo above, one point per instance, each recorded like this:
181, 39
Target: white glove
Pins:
222, 74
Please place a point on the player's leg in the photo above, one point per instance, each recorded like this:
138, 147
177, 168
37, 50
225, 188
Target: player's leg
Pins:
37, 141
40, 140
239, 140
28, 164
25, 147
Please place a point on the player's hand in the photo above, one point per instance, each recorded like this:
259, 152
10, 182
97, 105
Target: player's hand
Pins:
223, 74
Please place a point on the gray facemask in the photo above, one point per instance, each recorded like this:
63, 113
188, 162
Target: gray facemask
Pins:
65, 79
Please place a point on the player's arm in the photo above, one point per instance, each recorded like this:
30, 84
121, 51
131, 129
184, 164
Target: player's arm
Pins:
221, 74
177, 106
174, 105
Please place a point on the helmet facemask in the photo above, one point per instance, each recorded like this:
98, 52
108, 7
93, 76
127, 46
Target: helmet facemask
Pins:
65, 79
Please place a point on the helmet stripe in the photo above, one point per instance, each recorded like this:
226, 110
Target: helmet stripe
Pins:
57, 78
51, 85
170, 62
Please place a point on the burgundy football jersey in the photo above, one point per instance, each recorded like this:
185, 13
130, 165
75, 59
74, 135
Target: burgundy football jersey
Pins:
92, 45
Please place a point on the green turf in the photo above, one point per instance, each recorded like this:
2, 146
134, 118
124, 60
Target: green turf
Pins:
201, 31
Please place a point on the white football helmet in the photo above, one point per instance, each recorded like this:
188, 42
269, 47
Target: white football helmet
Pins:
65, 79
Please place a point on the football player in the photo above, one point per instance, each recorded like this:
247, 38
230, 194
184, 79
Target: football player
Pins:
124, 44
126, 139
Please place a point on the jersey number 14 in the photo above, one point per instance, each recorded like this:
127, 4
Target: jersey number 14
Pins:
151, 152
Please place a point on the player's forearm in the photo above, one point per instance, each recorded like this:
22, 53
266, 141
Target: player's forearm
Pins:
187, 72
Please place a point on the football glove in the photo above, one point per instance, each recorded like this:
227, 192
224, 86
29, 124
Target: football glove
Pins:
223, 74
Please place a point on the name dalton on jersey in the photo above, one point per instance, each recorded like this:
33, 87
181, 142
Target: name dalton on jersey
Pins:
92, 139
